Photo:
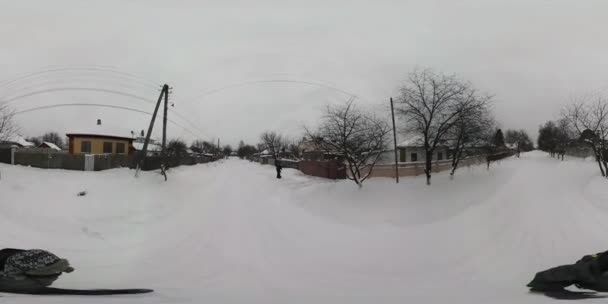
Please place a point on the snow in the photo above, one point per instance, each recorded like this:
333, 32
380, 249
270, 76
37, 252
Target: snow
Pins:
138, 146
413, 141
229, 232
18, 139
52, 146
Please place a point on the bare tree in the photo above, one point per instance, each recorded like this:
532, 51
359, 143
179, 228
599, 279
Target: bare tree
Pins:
472, 129
8, 127
53, 137
520, 139
431, 104
274, 143
35, 140
294, 147
227, 150
198, 146
590, 120
360, 137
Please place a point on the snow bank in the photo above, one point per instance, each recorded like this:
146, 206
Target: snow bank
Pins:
229, 232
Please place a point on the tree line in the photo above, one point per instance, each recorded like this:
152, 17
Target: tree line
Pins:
442, 110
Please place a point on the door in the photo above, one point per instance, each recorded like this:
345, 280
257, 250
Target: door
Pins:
89, 162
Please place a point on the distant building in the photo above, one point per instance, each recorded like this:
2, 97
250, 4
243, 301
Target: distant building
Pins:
412, 150
48, 145
100, 140
86, 143
154, 149
15, 141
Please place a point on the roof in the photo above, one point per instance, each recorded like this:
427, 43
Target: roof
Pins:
105, 130
19, 140
138, 146
50, 145
414, 141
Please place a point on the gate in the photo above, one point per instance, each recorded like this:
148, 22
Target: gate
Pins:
89, 162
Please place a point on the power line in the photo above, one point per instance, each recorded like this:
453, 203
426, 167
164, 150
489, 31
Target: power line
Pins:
78, 68
99, 105
181, 116
246, 83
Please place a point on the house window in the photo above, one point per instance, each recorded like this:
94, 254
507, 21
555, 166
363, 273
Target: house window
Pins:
402, 155
120, 148
85, 147
107, 147
439, 156
414, 157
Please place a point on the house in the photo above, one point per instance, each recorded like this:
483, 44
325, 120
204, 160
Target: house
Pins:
49, 145
100, 140
90, 143
412, 150
14, 140
154, 149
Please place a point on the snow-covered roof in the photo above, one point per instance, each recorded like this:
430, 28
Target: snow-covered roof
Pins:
414, 141
51, 145
138, 146
105, 129
17, 139
265, 152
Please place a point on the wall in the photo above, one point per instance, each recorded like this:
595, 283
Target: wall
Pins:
96, 144
417, 168
47, 160
329, 169
109, 161
405, 154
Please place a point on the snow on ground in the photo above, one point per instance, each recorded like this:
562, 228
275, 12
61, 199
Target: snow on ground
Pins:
229, 232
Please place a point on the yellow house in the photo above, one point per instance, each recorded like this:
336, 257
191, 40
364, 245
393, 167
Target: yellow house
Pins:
99, 144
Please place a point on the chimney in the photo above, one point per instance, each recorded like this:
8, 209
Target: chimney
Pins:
99, 122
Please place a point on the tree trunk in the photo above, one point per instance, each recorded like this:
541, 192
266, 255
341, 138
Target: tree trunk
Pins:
429, 166
598, 158
455, 162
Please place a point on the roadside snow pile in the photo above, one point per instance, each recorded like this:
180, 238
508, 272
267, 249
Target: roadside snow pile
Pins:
231, 232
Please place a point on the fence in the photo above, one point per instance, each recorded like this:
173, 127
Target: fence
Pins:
417, 168
52, 159
154, 162
48, 159
331, 169
5, 155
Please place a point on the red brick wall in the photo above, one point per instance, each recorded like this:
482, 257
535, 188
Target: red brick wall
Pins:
329, 169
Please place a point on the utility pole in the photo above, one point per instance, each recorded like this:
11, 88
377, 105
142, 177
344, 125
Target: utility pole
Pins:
165, 162
395, 143
218, 146
144, 151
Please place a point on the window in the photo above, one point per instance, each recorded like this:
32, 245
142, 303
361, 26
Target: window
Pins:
120, 148
107, 147
85, 147
439, 156
402, 155
414, 157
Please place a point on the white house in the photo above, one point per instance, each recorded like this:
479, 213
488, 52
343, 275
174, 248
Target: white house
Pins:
412, 150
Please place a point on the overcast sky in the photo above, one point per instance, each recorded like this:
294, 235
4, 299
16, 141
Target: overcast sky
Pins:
238, 68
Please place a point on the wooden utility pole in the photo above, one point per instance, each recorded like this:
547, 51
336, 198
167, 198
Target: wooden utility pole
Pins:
218, 146
395, 143
144, 151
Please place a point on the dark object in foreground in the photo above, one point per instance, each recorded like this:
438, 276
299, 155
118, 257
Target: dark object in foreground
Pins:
33, 271
80, 292
279, 168
590, 272
570, 295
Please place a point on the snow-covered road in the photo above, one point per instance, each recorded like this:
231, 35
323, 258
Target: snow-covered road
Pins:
229, 232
